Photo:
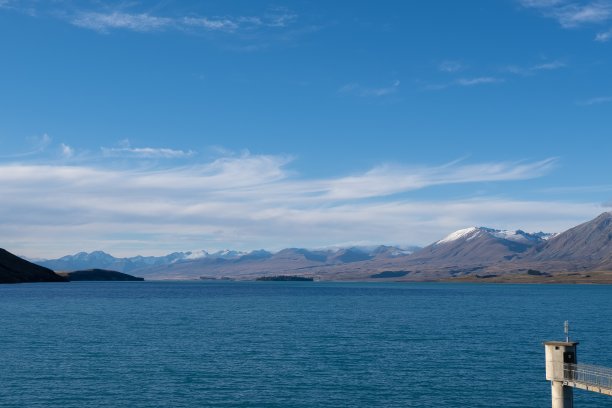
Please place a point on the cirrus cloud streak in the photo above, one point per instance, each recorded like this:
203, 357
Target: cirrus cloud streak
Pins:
248, 202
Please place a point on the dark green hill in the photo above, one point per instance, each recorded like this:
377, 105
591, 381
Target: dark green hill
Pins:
14, 269
100, 275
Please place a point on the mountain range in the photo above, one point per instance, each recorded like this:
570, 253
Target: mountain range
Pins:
474, 251
186, 265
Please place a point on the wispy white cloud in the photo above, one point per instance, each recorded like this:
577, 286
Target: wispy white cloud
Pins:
105, 18
464, 82
146, 152
572, 14
387, 180
541, 3
103, 22
125, 149
18, 5
535, 68
36, 145
478, 81
595, 101
66, 151
360, 90
604, 36
144, 22
40, 143
548, 66
450, 66
224, 24
244, 201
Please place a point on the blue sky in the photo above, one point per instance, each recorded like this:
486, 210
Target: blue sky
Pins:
151, 127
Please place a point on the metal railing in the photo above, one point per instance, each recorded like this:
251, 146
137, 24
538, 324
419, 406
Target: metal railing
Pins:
588, 374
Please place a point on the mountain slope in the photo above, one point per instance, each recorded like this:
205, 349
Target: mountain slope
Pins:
478, 245
13, 269
590, 243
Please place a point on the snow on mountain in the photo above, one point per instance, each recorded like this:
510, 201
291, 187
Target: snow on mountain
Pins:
391, 251
545, 235
228, 254
466, 232
467, 250
84, 256
195, 254
476, 246
519, 236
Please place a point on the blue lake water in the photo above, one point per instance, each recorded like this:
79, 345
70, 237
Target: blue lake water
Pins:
292, 344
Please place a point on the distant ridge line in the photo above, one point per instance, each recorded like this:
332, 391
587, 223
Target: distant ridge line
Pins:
467, 252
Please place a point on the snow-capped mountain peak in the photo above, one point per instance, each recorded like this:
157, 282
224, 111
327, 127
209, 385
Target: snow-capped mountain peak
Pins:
519, 236
462, 233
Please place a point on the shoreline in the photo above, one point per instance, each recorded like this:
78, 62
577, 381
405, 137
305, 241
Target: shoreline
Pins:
577, 278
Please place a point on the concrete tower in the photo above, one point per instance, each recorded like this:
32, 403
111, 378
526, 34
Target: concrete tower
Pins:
558, 354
